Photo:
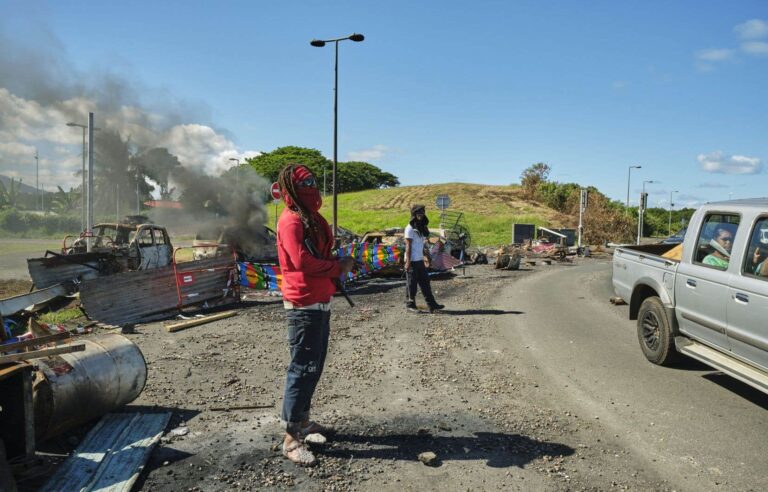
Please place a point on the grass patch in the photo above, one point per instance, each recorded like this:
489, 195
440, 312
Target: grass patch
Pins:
489, 211
61, 316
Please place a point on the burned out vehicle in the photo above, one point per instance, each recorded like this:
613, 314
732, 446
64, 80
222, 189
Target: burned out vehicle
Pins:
115, 247
257, 245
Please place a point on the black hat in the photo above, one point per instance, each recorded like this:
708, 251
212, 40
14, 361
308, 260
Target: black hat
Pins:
415, 209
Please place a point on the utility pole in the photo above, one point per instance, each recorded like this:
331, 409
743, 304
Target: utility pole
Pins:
671, 206
89, 230
37, 181
582, 208
137, 191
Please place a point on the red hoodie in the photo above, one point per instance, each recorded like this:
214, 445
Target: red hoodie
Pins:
306, 279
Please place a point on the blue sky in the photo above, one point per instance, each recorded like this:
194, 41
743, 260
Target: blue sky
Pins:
438, 91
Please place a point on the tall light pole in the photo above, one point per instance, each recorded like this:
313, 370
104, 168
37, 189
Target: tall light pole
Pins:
237, 170
641, 211
671, 206
629, 176
318, 43
37, 181
82, 196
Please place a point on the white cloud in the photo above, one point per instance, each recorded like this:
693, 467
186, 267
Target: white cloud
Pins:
752, 29
711, 184
717, 162
755, 47
375, 153
715, 55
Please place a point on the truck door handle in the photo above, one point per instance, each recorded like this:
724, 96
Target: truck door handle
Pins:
741, 297
690, 283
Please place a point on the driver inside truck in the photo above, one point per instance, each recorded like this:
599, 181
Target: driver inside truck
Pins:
721, 244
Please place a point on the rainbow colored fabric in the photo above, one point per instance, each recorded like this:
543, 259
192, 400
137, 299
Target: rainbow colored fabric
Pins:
370, 257
260, 276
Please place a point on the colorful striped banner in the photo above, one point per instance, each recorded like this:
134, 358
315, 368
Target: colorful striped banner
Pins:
370, 257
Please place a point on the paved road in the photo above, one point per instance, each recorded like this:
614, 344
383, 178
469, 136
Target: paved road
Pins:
697, 428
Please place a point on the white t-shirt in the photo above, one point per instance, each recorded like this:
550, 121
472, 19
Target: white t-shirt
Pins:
417, 244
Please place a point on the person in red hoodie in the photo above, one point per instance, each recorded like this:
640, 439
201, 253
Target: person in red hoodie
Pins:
304, 245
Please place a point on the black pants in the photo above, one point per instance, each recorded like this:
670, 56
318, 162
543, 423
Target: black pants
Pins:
417, 276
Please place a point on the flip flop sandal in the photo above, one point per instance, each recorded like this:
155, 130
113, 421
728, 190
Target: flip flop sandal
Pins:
301, 455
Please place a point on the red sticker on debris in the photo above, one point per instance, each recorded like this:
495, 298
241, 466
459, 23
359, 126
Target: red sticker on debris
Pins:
186, 278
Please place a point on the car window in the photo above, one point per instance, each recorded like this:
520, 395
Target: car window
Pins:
755, 263
144, 238
160, 237
715, 241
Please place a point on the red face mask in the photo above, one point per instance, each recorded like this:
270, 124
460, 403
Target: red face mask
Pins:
308, 195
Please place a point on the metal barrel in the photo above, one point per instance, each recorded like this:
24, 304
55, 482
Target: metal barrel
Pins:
71, 389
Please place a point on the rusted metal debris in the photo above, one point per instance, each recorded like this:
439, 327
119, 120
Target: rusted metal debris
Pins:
149, 295
35, 300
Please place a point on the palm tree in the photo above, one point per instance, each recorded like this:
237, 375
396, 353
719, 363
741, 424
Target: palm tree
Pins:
9, 195
64, 201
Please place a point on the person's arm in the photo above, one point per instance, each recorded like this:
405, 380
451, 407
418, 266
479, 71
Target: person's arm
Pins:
292, 241
408, 246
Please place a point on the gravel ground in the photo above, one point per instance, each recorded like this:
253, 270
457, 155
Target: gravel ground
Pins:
396, 385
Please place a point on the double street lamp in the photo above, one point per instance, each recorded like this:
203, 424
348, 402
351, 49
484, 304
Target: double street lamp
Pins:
319, 43
671, 206
641, 210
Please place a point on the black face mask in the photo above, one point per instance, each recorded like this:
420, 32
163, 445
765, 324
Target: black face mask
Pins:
420, 225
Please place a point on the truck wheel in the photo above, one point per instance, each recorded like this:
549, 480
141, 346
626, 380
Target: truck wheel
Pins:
655, 334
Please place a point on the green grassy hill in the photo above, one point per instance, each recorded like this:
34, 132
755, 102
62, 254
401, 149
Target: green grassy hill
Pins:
489, 211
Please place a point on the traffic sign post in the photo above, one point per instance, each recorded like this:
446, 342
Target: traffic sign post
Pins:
276, 195
442, 202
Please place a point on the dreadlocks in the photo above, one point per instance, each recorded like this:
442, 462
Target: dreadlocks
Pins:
294, 202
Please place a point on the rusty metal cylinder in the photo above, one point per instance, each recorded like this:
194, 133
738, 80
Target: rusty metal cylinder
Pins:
71, 389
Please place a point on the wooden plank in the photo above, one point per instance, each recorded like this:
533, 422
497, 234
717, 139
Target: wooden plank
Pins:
199, 321
10, 347
64, 349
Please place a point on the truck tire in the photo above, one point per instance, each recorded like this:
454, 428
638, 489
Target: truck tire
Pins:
655, 333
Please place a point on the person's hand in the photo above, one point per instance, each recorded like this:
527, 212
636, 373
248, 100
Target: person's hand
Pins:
346, 264
407, 265
758, 256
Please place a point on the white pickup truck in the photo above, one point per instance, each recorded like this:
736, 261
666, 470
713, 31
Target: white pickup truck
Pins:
706, 298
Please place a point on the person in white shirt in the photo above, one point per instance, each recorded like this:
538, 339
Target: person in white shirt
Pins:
416, 264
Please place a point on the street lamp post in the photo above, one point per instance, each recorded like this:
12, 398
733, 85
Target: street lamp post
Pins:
237, 170
629, 176
37, 180
83, 196
671, 206
641, 211
318, 43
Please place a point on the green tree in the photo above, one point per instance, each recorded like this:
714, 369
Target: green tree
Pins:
269, 164
352, 176
532, 177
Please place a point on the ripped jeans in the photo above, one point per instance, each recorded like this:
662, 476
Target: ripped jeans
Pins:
308, 332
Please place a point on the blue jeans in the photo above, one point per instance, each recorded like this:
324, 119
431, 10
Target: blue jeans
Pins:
308, 332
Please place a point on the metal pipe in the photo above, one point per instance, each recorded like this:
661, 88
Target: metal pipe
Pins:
71, 389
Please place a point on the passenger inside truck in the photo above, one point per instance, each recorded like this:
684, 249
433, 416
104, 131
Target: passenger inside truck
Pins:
755, 262
716, 241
